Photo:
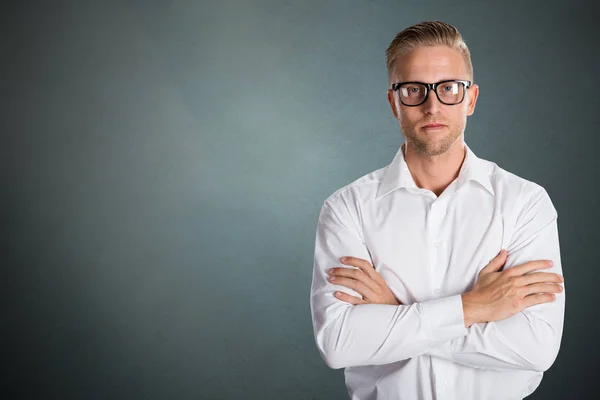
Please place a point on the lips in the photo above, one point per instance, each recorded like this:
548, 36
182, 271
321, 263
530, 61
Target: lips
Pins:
433, 126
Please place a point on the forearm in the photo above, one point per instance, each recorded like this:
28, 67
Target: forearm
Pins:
522, 341
374, 334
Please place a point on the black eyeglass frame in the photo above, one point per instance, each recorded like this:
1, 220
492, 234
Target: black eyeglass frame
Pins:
432, 87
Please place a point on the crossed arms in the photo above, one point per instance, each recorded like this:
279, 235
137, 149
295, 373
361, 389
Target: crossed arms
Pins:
372, 334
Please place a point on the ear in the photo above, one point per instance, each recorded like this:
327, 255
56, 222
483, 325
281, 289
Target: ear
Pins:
392, 101
473, 94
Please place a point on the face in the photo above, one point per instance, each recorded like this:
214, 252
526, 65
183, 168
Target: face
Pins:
430, 64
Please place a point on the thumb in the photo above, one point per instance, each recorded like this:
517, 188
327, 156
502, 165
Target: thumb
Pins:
496, 263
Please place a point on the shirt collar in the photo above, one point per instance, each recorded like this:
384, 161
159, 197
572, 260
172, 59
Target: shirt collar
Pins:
398, 176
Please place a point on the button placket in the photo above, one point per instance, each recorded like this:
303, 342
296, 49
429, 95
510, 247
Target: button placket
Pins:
437, 212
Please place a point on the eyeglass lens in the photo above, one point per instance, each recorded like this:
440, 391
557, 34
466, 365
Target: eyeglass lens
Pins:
448, 93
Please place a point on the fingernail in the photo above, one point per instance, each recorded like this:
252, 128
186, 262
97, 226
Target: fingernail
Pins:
332, 278
551, 263
343, 259
330, 271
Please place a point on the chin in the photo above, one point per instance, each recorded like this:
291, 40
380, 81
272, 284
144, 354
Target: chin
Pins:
432, 147
432, 151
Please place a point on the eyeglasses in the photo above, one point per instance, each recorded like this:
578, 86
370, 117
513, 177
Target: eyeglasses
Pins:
450, 92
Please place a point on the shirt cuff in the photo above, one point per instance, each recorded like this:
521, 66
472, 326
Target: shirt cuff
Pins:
445, 319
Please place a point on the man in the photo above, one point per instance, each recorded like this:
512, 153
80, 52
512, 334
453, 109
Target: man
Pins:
417, 310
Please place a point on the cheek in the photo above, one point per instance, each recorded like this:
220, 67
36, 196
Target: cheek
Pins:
459, 116
408, 116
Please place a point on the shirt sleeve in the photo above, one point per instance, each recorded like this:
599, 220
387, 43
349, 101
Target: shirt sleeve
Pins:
530, 339
369, 334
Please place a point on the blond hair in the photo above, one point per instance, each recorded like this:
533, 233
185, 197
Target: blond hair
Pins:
428, 33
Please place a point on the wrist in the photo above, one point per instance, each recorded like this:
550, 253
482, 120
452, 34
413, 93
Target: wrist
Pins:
470, 310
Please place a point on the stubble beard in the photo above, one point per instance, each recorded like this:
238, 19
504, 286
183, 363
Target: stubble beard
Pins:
427, 147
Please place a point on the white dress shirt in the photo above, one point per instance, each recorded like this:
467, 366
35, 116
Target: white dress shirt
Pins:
429, 250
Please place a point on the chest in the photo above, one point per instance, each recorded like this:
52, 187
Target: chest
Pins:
427, 249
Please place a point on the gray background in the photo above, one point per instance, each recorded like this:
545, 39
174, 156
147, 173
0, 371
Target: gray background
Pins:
164, 164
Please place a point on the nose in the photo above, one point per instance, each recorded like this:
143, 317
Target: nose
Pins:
431, 105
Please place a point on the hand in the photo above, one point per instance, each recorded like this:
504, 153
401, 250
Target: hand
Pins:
500, 294
364, 280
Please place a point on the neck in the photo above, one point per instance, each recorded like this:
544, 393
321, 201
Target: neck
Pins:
435, 173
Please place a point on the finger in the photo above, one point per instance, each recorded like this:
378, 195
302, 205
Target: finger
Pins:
364, 265
349, 299
496, 263
355, 274
538, 277
529, 267
541, 288
353, 284
538, 298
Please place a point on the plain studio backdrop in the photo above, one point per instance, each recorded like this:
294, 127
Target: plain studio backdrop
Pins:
164, 164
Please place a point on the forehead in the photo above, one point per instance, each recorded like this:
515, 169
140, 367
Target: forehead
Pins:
430, 64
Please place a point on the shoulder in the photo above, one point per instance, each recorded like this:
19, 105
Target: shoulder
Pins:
518, 194
343, 207
358, 191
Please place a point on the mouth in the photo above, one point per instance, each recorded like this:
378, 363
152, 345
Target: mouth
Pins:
433, 126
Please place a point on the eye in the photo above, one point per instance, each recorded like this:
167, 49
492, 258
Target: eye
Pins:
413, 89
